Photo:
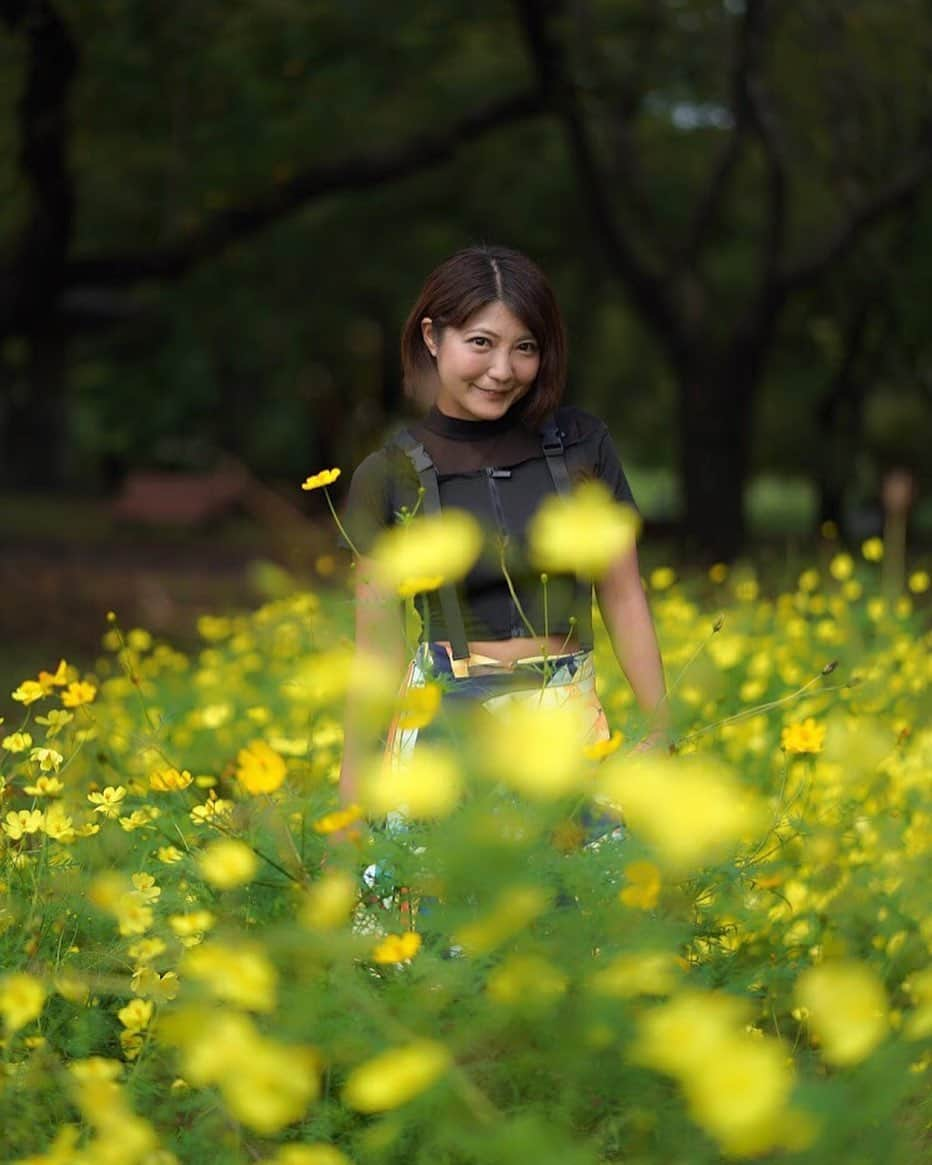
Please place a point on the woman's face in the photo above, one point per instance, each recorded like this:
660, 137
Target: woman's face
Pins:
485, 366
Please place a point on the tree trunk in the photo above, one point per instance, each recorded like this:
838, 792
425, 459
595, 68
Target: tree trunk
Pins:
714, 431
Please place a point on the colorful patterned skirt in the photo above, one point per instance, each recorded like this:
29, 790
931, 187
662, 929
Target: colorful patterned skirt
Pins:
548, 683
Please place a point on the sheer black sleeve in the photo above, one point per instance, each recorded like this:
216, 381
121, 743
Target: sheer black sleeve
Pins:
609, 470
367, 509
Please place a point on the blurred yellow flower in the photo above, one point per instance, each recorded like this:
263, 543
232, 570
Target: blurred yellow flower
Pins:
662, 578
329, 900
603, 748
534, 745
45, 787
444, 544
425, 785
20, 823
338, 819
260, 769
919, 582
135, 1016
643, 885
514, 909
228, 863
805, 737
689, 809
321, 479
679, 1037
841, 567
419, 705
21, 1000
319, 1154
241, 975
637, 973
526, 981
585, 532
847, 1007
872, 549
396, 1076
410, 587
397, 948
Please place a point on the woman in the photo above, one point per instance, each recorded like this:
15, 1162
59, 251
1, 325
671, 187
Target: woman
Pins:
484, 345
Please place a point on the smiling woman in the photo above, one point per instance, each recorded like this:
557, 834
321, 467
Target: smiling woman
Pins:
484, 348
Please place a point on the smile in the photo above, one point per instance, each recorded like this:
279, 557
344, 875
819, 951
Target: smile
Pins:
492, 391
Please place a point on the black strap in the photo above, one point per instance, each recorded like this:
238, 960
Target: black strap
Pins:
553, 449
449, 600
552, 445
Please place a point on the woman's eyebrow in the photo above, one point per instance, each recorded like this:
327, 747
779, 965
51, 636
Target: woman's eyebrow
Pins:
496, 335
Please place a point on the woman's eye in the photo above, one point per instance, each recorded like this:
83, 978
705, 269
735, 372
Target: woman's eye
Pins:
480, 340
529, 349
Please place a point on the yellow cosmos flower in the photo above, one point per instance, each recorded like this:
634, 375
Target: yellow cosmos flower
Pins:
228, 863
48, 760
169, 854
16, 742
135, 1016
397, 948
807, 737
847, 1007
18, 824
319, 480
169, 780
643, 885
21, 1000
45, 787
585, 532
444, 544
78, 693
28, 692
393, 1078
339, 819
260, 769
109, 801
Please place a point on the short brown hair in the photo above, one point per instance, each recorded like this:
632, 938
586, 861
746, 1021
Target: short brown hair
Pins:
466, 282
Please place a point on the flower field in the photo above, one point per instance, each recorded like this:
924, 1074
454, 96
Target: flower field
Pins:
548, 955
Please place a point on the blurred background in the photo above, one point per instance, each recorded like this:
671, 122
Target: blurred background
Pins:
215, 216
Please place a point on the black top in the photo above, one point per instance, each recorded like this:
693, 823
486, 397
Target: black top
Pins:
465, 453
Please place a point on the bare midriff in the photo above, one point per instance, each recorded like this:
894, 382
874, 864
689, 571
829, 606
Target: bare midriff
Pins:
512, 650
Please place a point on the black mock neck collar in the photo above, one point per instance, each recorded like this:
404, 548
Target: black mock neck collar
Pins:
462, 430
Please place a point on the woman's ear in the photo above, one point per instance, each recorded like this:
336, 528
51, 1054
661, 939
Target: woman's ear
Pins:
427, 331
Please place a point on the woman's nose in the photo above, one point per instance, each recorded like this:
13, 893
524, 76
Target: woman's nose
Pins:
500, 365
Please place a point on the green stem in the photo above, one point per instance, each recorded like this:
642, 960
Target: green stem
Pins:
340, 527
761, 708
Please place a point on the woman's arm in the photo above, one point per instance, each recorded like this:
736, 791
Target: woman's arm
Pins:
630, 627
379, 645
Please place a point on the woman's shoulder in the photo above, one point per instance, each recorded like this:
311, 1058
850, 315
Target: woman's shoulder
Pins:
577, 425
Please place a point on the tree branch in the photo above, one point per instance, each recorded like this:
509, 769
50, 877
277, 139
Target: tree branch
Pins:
712, 197
646, 285
895, 195
426, 150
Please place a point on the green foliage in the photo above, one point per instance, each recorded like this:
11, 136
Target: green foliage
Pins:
544, 937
